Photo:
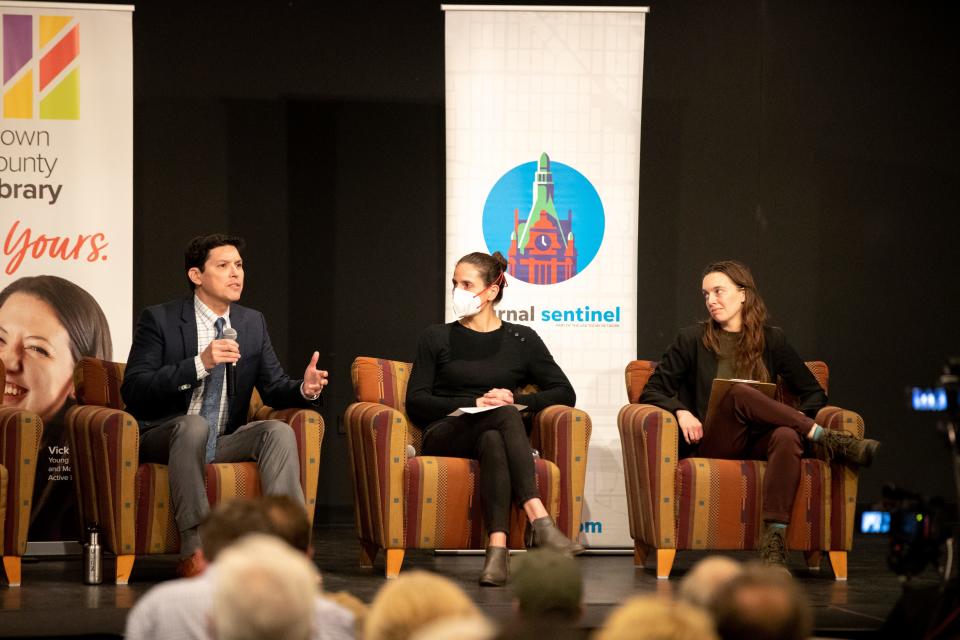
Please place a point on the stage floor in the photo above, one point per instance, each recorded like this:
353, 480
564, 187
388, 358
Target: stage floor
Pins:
54, 603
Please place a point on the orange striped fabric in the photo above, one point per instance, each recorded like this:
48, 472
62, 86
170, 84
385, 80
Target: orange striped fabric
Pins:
20, 433
810, 522
381, 381
378, 432
701, 503
562, 434
378, 437
637, 374
430, 502
549, 481
234, 480
648, 436
130, 501
106, 445
442, 503
308, 429
819, 370
98, 382
719, 505
843, 481
156, 529
443, 507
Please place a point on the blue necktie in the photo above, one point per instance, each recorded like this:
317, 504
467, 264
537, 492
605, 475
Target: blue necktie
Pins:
212, 390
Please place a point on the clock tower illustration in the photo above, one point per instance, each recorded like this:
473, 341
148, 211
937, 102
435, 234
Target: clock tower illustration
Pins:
542, 249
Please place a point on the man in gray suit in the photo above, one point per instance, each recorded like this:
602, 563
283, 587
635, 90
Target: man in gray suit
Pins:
178, 387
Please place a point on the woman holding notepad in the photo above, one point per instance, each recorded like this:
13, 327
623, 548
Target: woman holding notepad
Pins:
717, 378
461, 391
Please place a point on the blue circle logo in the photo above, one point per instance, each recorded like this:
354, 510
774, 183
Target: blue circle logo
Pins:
546, 218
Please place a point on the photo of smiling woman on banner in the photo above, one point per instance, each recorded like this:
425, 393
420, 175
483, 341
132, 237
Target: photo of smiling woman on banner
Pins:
47, 324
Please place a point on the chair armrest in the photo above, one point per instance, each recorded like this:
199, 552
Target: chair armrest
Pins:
377, 439
649, 439
106, 449
20, 433
831, 417
839, 419
636, 375
308, 427
98, 382
562, 435
844, 477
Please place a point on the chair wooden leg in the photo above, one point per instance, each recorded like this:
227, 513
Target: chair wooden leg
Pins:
368, 553
838, 560
124, 568
11, 565
665, 562
394, 560
813, 559
640, 553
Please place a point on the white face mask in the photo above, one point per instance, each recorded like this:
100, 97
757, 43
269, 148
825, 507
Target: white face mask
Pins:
465, 304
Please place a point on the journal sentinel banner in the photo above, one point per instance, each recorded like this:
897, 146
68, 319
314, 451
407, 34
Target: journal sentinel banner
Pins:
66, 197
543, 164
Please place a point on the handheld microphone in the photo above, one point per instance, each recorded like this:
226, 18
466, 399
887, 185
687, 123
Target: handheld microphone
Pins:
229, 333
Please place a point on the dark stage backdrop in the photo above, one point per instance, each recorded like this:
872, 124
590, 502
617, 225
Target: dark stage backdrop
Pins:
816, 141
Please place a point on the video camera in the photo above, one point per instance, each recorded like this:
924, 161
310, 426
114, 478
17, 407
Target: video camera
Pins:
943, 397
919, 528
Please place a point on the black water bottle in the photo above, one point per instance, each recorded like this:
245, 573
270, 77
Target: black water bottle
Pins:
92, 557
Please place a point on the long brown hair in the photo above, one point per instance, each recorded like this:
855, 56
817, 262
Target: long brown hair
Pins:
749, 359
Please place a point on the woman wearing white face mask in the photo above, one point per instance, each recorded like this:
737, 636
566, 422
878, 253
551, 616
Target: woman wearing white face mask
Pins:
479, 360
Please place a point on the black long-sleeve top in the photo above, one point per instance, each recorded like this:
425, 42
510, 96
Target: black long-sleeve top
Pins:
455, 365
684, 377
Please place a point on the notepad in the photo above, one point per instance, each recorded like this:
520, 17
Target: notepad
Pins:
721, 387
463, 410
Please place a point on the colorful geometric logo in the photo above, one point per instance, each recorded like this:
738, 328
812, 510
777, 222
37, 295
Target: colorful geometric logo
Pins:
542, 247
44, 80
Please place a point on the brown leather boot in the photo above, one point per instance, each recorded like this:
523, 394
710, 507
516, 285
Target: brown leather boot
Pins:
544, 533
773, 547
842, 445
495, 568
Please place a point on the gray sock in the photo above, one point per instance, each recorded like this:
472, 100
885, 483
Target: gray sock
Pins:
189, 542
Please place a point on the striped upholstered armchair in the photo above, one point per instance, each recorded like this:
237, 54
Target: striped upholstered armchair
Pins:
408, 501
20, 433
130, 502
705, 503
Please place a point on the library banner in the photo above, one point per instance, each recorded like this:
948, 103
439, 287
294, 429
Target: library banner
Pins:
543, 164
66, 218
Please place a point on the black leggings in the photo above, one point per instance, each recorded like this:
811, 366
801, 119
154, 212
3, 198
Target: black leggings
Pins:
498, 439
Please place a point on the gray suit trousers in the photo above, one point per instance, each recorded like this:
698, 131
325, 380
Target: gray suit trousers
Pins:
180, 443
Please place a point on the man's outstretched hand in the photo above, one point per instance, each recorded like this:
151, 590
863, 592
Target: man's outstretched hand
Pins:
314, 379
